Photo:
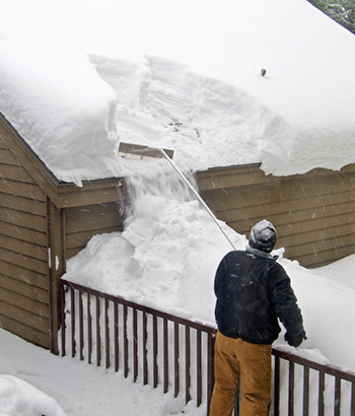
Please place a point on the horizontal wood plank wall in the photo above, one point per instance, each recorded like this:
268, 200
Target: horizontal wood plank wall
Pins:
24, 296
314, 213
91, 193
85, 221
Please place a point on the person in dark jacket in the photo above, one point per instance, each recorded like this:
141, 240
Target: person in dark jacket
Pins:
253, 293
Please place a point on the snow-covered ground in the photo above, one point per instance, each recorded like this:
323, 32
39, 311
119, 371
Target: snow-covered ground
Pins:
34, 382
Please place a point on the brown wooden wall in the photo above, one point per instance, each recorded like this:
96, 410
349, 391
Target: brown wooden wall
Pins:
85, 221
314, 213
24, 291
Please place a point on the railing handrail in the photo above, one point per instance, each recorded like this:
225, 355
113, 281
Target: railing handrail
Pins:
148, 309
329, 369
276, 351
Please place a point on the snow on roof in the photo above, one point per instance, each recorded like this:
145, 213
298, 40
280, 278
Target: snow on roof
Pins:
78, 77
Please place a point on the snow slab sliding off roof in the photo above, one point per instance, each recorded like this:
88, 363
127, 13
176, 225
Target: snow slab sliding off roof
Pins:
78, 77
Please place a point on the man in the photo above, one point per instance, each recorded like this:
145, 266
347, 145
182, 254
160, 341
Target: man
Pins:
253, 291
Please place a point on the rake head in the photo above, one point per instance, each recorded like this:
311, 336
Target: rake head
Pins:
137, 151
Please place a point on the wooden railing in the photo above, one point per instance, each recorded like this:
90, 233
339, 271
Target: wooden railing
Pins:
141, 340
164, 350
319, 387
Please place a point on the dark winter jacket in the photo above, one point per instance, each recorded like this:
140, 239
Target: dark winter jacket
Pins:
253, 291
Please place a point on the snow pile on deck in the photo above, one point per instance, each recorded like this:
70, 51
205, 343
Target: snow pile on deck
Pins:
178, 74
168, 254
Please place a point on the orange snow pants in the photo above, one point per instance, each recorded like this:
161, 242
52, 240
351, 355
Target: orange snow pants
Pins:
252, 362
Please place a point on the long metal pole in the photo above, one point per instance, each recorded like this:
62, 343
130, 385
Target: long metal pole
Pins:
183, 177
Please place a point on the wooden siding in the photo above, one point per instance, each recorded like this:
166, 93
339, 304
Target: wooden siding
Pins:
91, 193
24, 296
314, 213
84, 222
35, 212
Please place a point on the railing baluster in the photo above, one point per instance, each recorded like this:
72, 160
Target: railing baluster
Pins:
135, 345
89, 328
321, 393
117, 350
237, 402
176, 360
107, 335
337, 396
63, 318
166, 355
155, 351
210, 369
305, 391
72, 311
81, 325
145, 349
199, 366
352, 410
277, 386
98, 333
291, 388
125, 340
187, 364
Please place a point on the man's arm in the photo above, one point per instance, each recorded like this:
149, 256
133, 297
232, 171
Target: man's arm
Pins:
286, 308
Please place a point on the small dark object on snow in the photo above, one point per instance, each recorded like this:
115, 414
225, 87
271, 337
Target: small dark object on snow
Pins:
263, 72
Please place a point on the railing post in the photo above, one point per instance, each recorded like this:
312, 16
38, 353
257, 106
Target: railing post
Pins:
352, 410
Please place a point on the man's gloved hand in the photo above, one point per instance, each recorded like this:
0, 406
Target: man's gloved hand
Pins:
295, 340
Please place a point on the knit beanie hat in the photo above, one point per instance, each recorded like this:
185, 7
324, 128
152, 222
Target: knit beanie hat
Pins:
263, 236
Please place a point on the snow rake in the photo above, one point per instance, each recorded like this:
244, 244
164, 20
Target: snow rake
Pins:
141, 152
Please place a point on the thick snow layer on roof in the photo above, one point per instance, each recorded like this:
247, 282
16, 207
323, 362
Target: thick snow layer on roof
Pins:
77, 77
